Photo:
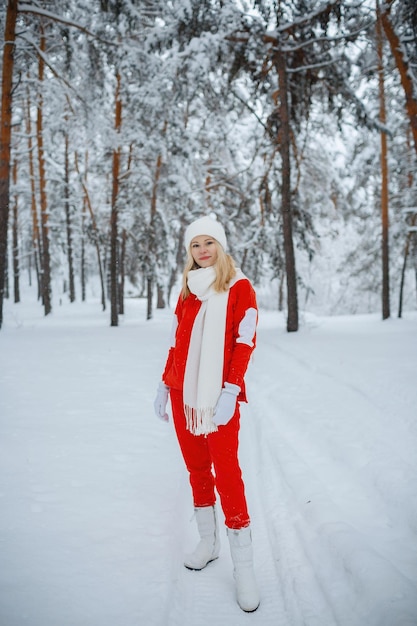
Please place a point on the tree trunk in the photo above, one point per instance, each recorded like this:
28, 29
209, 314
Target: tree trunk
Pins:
281, 292
29, 264
83, 272
36, 239
384, 173
179, 259
16, 271
46, 260
284, 141
5, 139
149, 288
122, 273
6, 281
403, 68
160, 300
410, 246
83, 220
160, 304
114, 265
151, 251
406, 250
71, 281
95, 230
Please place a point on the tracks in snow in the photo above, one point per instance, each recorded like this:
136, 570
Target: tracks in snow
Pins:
329, 527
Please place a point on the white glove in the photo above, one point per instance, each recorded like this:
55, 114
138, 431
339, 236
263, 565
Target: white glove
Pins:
161, 401
226, 404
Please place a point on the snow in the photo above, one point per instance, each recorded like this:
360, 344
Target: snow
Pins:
95, 506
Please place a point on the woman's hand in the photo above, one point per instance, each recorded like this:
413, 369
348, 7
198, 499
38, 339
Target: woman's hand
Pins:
161, 401
226, 404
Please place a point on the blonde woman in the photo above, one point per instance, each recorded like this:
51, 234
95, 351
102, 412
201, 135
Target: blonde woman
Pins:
213, 337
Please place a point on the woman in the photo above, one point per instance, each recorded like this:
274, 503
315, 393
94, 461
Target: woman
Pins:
213, 338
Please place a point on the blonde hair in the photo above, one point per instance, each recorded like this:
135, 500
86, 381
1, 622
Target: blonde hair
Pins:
225, 267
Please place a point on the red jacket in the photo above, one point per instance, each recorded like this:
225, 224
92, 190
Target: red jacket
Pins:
240, 336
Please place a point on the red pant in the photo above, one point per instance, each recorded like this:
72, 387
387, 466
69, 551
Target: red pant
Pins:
220, 451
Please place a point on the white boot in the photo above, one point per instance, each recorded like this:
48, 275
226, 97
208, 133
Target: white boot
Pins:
208, 547
242, 557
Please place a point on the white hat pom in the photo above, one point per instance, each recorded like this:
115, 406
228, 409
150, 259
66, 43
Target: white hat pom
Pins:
205, 226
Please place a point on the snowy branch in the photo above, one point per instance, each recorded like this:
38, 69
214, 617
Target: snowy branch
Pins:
28, 8
53, 70
249, 108
312, 66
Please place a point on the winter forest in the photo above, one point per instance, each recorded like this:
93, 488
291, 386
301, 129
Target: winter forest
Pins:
294, 121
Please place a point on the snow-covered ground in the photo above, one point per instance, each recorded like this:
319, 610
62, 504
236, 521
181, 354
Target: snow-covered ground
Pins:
95, 506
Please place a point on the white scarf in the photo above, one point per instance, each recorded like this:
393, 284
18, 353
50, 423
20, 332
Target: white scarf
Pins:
204, 368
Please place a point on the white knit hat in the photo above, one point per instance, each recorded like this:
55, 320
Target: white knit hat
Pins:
205, 226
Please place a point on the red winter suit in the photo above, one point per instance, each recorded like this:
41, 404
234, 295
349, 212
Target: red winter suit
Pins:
217, 449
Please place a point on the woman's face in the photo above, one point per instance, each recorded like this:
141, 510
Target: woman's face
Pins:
204, 250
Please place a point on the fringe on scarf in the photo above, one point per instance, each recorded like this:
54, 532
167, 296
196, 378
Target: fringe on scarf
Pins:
200, 421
